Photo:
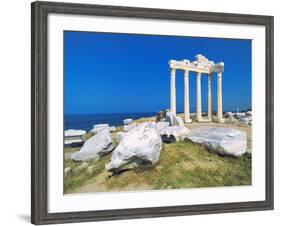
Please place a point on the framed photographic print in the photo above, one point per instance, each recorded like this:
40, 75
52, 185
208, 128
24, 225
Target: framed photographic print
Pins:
140, 112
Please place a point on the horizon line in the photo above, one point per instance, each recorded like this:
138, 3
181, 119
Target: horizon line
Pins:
179, 112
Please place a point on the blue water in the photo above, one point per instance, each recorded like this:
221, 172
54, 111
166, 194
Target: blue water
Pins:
86, 121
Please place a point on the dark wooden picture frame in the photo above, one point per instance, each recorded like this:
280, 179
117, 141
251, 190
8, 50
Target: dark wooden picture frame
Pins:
39, 192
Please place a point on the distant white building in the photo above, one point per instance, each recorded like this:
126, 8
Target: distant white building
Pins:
74, 137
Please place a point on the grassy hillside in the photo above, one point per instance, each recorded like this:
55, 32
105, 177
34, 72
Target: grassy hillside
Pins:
181, 165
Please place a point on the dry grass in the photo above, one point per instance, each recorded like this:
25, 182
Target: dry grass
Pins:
148, 119
181, 165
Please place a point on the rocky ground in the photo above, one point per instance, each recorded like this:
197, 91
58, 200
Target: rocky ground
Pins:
183, 164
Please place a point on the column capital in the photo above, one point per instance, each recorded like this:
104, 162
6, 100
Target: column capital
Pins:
198, 75
173, 70
219, 74
186, 73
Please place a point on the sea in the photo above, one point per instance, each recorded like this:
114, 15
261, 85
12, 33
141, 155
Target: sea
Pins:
86, 121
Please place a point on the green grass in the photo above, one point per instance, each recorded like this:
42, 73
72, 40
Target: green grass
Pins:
80, 177
181, 165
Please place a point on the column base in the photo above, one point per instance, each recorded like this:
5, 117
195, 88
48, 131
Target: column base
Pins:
188, 120
204, 120
220, 120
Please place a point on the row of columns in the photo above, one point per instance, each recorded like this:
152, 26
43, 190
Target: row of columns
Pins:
198, 96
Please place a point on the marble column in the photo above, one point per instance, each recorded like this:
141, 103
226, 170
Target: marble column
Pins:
209, 97
199, 106
186, 97
173, 91
219, 98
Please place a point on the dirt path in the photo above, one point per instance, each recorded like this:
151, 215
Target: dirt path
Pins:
95, 185
98, 184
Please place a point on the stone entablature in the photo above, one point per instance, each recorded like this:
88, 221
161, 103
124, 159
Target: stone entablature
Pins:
201, 65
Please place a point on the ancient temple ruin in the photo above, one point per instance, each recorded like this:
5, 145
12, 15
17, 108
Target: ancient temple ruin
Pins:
201, 66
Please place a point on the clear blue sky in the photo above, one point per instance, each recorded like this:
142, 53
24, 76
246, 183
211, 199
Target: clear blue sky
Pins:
123, 73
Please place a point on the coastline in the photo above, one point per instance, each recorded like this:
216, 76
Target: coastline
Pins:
86, 121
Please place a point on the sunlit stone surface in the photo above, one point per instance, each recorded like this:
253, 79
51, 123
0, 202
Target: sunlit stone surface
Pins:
202, 66
226, 141
141, 146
